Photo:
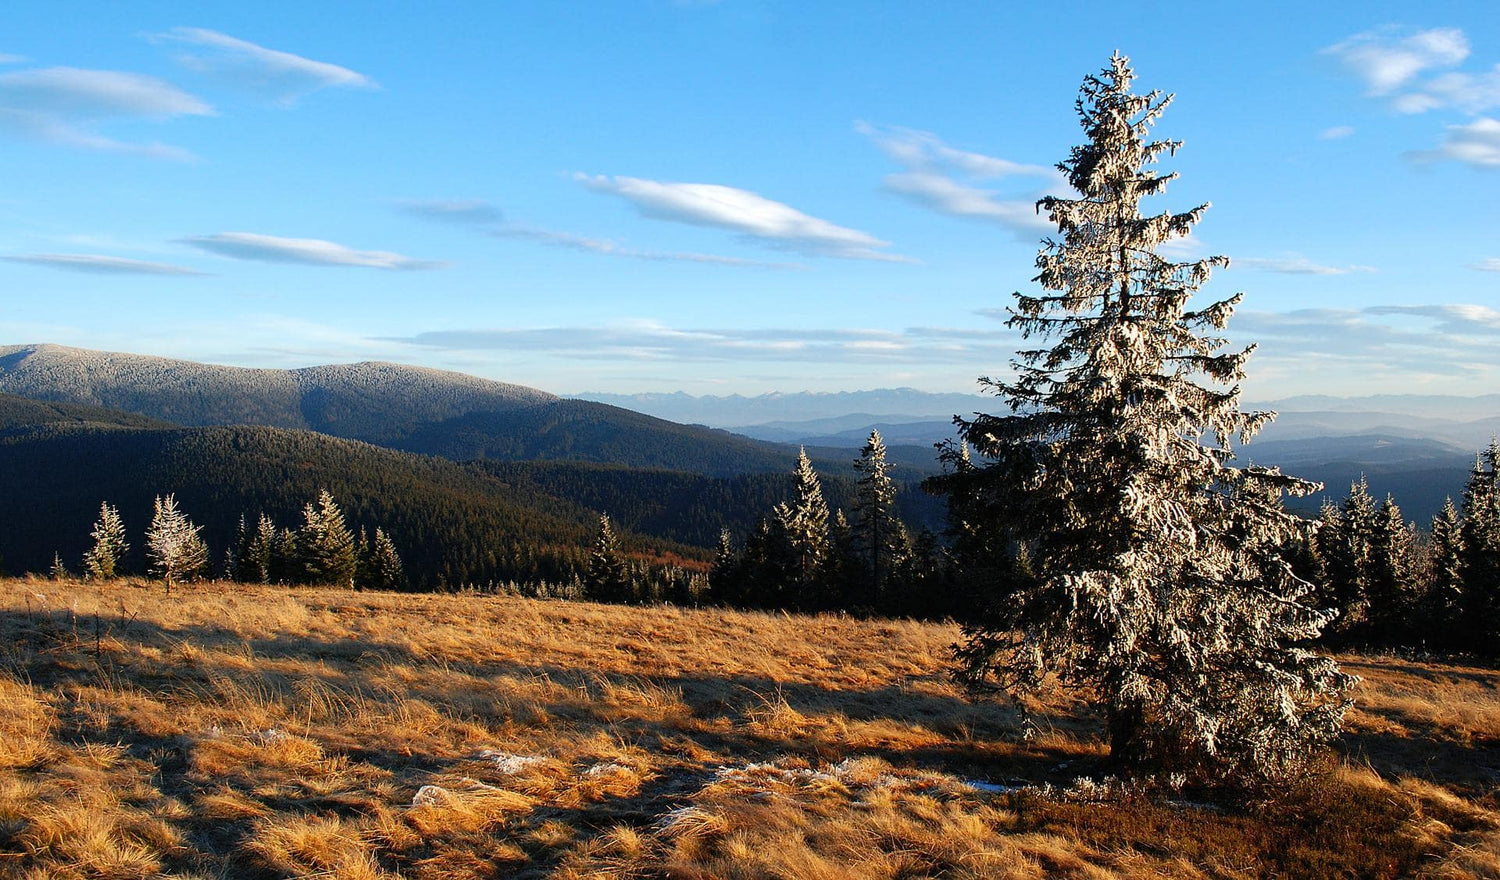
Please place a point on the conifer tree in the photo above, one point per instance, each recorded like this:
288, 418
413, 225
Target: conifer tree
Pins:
383, 569
1346, 548
1443, 601
803, 524
325, 546
1392, 578
722, 577
880, 537
1481, 554
1159, 584
103, 559
254, 550
176, 550
608, 577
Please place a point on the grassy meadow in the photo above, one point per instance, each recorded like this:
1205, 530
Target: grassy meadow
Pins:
230, 730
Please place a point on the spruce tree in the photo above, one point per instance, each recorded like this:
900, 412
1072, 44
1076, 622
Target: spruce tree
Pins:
1345, 539
176, 550
1443, 602
383, 564
103, 559
1159, 585
325, 546
803, 524
254, 551
608, 577
881, 538
1481, 554
1392, 578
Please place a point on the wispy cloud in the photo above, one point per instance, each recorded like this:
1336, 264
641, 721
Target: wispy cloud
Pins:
1335, 133
611, 248
650, 340
305, 251
1410, 70
754, 217
102, 265
944, 179
278, 74
12, 59
1490, 265
1388, 59
65, 105
1384, 346
1295, 265
1476, 144
467, 212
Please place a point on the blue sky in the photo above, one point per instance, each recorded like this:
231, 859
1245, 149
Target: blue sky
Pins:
733, 196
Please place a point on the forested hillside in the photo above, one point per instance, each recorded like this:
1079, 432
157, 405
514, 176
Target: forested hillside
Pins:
432, 412
453, 524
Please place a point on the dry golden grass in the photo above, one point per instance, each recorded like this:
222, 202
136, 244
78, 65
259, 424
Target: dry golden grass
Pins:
244, 731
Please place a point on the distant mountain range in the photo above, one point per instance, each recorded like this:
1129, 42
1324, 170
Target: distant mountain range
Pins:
1418, 448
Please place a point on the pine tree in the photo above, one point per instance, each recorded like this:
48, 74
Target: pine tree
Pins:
803, 525
880, 536
1159, 581
325, 546
176, 550
608, 577
103, 559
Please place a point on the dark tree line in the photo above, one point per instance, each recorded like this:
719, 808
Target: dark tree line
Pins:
1395, 587
802, 557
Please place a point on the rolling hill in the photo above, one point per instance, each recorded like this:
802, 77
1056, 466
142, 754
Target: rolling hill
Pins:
414, 409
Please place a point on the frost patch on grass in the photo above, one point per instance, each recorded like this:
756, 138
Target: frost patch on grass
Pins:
508, 763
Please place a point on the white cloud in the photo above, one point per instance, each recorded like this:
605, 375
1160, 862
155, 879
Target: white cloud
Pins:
269, 71
612, 248
65, 105
93, 94
753, 216
1296, 265
476, 212
1377, 347
98, 264
1476, 144
1386, 60
306, 251
1471, 93
12, 59
650, 340
1337, 132
943, 179
1490, 265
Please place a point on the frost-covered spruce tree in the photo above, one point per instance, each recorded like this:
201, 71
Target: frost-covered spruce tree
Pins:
1159, 584
878, 531
102, 561
803, 524
1481, 553
176, 551
383, 564
325, 546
